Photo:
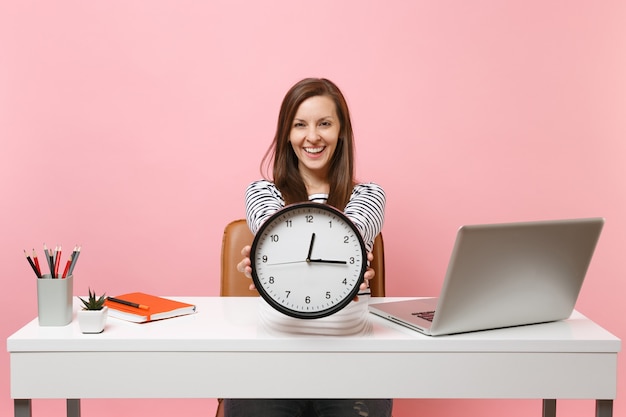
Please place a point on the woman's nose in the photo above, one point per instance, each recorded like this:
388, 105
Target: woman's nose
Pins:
312, 135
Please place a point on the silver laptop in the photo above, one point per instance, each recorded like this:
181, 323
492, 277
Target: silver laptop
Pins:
503, 275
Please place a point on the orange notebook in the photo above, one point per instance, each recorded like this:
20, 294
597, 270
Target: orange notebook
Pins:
151, 307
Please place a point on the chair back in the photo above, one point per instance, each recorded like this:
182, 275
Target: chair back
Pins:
235, 284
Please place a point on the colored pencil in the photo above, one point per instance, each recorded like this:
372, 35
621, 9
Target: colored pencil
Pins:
75, 255
32, 264
57, 260
49, 259
67, 267
37, 263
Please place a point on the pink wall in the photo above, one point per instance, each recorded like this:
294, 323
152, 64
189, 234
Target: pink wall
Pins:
132, 129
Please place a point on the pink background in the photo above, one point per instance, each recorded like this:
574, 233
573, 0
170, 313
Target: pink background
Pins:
132, 128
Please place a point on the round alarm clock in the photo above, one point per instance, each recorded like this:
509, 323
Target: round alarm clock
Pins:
308, 260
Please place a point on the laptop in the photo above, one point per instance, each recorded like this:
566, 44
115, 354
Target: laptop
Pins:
503, 275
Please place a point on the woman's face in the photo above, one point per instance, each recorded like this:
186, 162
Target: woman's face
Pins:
314, 135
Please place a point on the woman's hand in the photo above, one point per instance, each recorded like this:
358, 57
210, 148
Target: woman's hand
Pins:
369, 275
245, 268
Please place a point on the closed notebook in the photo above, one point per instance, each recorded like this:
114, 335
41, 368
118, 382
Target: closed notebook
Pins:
158, 308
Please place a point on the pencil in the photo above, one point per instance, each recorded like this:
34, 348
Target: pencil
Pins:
36, 263
67, 267
57, 260
49, 259
75, 255
128, 303
32, 264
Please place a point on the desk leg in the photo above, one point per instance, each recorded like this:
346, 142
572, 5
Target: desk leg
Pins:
549, 408
22, 408
604, 408
73, 407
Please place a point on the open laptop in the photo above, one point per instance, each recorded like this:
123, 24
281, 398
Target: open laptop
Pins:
503, 275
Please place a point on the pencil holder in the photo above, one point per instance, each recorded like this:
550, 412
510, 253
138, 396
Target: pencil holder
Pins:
54, 300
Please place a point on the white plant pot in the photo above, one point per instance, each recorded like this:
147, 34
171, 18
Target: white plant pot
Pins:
92, 321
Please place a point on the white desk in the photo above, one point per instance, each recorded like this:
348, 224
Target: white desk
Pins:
206, 355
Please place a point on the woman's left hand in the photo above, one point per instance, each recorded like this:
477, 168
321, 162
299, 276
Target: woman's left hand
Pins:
369, 275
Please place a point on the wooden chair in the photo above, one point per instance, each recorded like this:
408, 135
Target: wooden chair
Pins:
234, 284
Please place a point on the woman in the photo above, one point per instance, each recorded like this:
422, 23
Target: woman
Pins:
312, 158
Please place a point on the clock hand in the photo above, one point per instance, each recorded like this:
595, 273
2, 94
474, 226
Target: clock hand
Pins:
285, 263
308, 257
327, 261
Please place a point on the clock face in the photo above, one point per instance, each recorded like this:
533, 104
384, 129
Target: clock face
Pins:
308, 260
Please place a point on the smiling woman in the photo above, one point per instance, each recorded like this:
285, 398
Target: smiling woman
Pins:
313, 154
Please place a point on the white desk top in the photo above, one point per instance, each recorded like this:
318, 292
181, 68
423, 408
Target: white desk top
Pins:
195, 356
222, 323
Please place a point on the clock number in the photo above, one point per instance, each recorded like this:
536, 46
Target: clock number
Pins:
289, 223
287, 292
330, 224
307, 299
309, 218
352, 260
274, 238
346, 239
345, 281
271, 280
264, 259
327, 295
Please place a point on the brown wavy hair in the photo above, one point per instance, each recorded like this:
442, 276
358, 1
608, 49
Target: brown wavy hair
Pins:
286, 175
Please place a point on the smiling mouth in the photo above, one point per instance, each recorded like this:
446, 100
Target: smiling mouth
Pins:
314, 151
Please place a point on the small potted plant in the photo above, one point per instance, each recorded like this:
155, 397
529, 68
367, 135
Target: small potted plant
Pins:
92, 317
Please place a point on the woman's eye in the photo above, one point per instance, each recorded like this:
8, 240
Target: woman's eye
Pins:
298, 124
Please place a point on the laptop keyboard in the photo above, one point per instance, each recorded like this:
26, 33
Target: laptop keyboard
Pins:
426, 315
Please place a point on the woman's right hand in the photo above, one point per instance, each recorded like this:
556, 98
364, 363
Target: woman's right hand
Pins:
244, 266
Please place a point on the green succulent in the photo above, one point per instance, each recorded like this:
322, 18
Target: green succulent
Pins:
93, 302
